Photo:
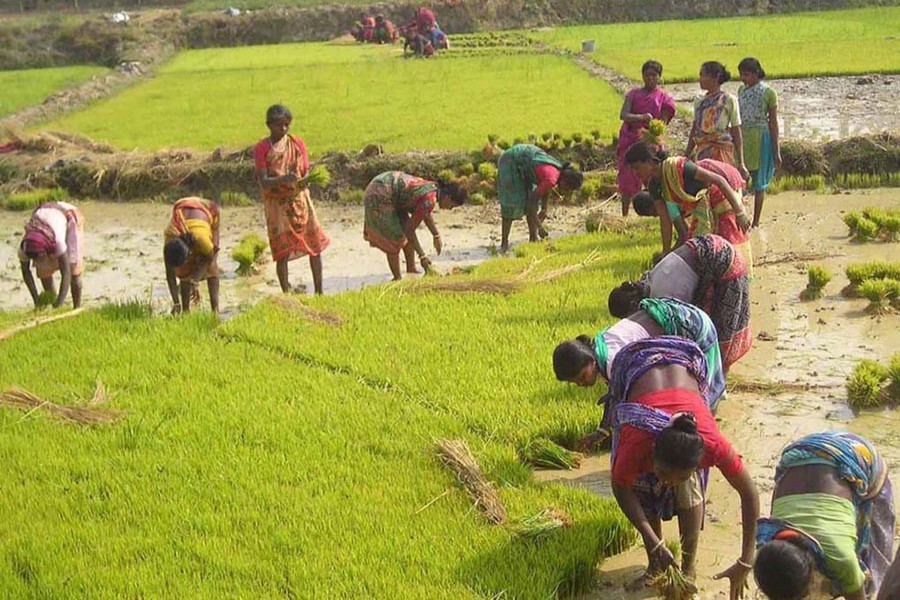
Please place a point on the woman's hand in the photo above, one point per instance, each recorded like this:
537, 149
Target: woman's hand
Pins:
176, 309
744, 172
288, 179
662, 557
778, 159
425, 262
438, 246
586, 444
743, 221
737, 576
647, 117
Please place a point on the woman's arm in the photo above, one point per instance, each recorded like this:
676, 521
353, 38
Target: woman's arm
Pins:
738, 136
631, 506
629, 117
262, 177
65, 272
435, 234
409, 229
773, 133
28, 278
172, 282
734, 198
665, 225
737, 573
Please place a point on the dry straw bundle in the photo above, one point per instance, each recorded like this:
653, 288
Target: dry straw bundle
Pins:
457, 456
307, 312
89, 414
671, 584
542, 524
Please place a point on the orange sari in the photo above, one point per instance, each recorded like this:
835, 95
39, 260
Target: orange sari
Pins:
293, 227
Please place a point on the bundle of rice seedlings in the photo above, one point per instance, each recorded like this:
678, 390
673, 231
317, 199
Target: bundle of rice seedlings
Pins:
671, 584
248, 253
457, 456
866, 230
318, 176
865, 384
879, 292
45, 299
542, 453
893, 371
84, 415
851, 220
655, 132
296, 306
542, 524
818, 278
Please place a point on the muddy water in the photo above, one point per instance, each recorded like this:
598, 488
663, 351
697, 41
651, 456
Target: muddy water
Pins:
123, 251
823, 108
815, 343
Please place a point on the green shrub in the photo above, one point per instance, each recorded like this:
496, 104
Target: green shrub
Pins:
31, 199
818, 278
248, 252
487, 171
864, 387
235, 199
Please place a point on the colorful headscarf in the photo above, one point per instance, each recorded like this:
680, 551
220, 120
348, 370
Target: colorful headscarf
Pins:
39, 238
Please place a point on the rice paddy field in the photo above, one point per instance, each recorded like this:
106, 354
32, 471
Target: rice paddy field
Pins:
22, 88
344, 97
278, 455
794, 45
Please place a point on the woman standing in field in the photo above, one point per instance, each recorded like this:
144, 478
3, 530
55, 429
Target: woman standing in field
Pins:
294, 230
665, 440
716, 132
759, 118
707, 192
640, 107
54, 241
191, 251
525, 179
832, 512
707, 272
396, 203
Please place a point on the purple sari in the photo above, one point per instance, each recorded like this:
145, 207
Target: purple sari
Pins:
642, 102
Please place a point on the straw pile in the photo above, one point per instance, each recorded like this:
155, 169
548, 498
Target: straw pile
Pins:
89, 414
777, 259
456, 455
477, 286
542, 524
307, 312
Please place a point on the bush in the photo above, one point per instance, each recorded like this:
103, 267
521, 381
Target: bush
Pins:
864, 387
818, 278
235, 199
248, 252
31, 199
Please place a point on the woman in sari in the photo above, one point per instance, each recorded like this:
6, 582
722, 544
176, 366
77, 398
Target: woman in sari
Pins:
665, 439
54, 241
191, 252
640, 107
707, 272
759, 118
707, 193
716, 132
294, 230
396, 203
525, 179
832, 513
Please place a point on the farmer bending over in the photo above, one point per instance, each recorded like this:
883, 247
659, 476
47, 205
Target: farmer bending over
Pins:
191, 252
54, 241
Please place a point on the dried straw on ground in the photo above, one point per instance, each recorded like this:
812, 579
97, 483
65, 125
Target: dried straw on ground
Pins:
457, 456
768, 387
777, 259
91, 414
475, 286
307, 312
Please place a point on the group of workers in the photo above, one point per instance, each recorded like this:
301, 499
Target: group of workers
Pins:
682, 326
422, 35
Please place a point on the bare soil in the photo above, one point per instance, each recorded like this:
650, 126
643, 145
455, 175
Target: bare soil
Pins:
814, 344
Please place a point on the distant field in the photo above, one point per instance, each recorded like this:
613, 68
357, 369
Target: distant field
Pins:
826, 43
19, 89
344, 97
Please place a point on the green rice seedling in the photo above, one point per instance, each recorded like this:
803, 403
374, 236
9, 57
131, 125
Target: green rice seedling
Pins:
318, 176
890, 229
592, 223
589, 188
866, 230
879, 292
487, 171
477, 199
353, 197
655, 132
466, 169
446, 174
859, 272
865, 384
518, 140
671, 584
851, 220
818, 277
503, 145
28, 200
893, 372
546, 454
547, 136
492, 138
234, 199
248, 252
577, 138
542, 524
45, 299
28, 87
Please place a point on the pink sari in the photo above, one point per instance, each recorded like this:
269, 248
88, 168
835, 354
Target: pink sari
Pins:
642, 102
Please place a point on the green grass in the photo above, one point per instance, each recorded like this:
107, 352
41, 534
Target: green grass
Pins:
344, 97
30, 199
276, 457
19, 89
802, 44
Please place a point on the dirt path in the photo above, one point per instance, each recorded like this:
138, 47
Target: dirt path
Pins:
815, 343
123, 251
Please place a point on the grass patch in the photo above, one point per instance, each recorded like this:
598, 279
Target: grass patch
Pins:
26, 87
28, 200
345, 103
278, 456
794, 45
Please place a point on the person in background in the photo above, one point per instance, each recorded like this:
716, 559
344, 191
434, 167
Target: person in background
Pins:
191, 252
294, 230
759, 129
54, 241
641, 105
832, 513
716, 132
385, 32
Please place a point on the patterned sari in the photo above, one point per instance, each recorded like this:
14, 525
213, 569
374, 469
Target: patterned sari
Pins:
198, 266
862, 468
516, 180
293, 227
723, 292
390, 198
642, 102
712, 136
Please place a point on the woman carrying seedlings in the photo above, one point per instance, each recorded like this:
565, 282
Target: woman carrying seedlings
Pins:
665, 439
396, 203
294, 231
54, 241
707, 272
641, 106
759, 127
832, 513
191, 252
526, 176
716, 132
707, 193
